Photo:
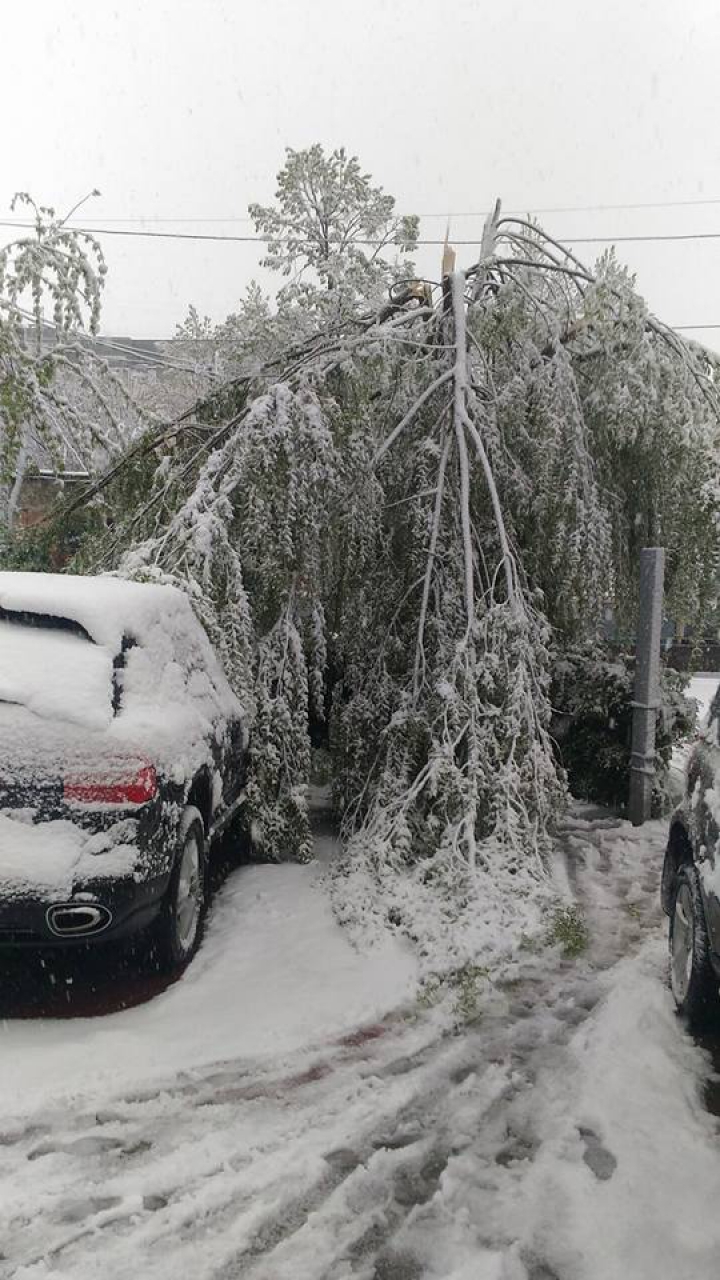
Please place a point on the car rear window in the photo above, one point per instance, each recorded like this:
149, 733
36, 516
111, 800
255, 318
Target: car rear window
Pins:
55, 670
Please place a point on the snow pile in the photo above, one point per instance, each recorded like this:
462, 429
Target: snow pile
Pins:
471, 919
44, 859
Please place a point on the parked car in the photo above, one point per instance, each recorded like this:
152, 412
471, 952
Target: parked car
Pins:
691, 880
122, 755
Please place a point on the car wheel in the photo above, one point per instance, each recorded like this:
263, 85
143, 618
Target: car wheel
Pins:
692, 980
179, 925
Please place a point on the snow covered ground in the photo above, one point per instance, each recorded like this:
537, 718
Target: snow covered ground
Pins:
288, 1111
275, 974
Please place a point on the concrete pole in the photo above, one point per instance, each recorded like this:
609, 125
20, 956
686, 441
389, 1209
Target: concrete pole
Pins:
647, 683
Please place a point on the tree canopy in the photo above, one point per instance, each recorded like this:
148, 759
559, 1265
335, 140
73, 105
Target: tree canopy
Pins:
332, 227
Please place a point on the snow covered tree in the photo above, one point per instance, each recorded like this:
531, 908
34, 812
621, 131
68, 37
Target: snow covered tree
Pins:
240, 345
402, 524
60, 405
336, 237
652, 421
331, 227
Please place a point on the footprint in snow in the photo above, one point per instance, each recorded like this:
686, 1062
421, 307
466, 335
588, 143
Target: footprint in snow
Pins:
596, 1156
88, 1146
82, 1209
539, 1270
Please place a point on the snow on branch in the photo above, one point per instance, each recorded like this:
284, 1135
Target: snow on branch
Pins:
404, 518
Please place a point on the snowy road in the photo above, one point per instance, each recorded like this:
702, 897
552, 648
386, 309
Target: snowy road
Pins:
560, 1136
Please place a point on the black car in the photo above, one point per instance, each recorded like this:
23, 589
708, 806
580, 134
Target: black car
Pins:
691, 881
122, 754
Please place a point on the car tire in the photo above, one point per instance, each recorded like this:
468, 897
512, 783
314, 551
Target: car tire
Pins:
178, 928
693, 982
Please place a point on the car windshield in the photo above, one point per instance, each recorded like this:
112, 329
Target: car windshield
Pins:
55, 672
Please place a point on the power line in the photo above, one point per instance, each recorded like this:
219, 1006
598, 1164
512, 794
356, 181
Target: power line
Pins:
595, 208
678, 235
150, 235
176, 235
372, 244
154, 361
146, 355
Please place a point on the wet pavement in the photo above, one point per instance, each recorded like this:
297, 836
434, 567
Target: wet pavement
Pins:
81, 984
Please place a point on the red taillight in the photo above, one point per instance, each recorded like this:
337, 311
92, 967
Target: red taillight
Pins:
137, 789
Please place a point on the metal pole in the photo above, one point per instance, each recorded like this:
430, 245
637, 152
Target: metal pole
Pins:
647, 683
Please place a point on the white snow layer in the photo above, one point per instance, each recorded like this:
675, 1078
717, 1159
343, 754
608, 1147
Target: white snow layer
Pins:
275, 972
45, 859
559, 1135
56, 675
175, 695
101, 604
225, 1129
621, 1175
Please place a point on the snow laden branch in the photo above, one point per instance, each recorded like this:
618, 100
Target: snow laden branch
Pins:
61, 408
464, 786
395, 532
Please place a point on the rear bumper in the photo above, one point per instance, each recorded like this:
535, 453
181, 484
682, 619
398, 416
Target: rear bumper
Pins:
126, 907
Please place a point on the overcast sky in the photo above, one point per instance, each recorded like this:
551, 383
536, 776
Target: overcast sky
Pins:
180, 109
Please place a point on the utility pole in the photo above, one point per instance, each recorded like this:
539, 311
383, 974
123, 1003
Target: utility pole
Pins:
647, 683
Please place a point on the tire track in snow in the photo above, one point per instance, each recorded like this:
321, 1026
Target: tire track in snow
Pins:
506, 1056
213, 1128
314, 1170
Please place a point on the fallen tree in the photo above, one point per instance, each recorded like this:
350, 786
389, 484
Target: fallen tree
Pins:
401, 522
